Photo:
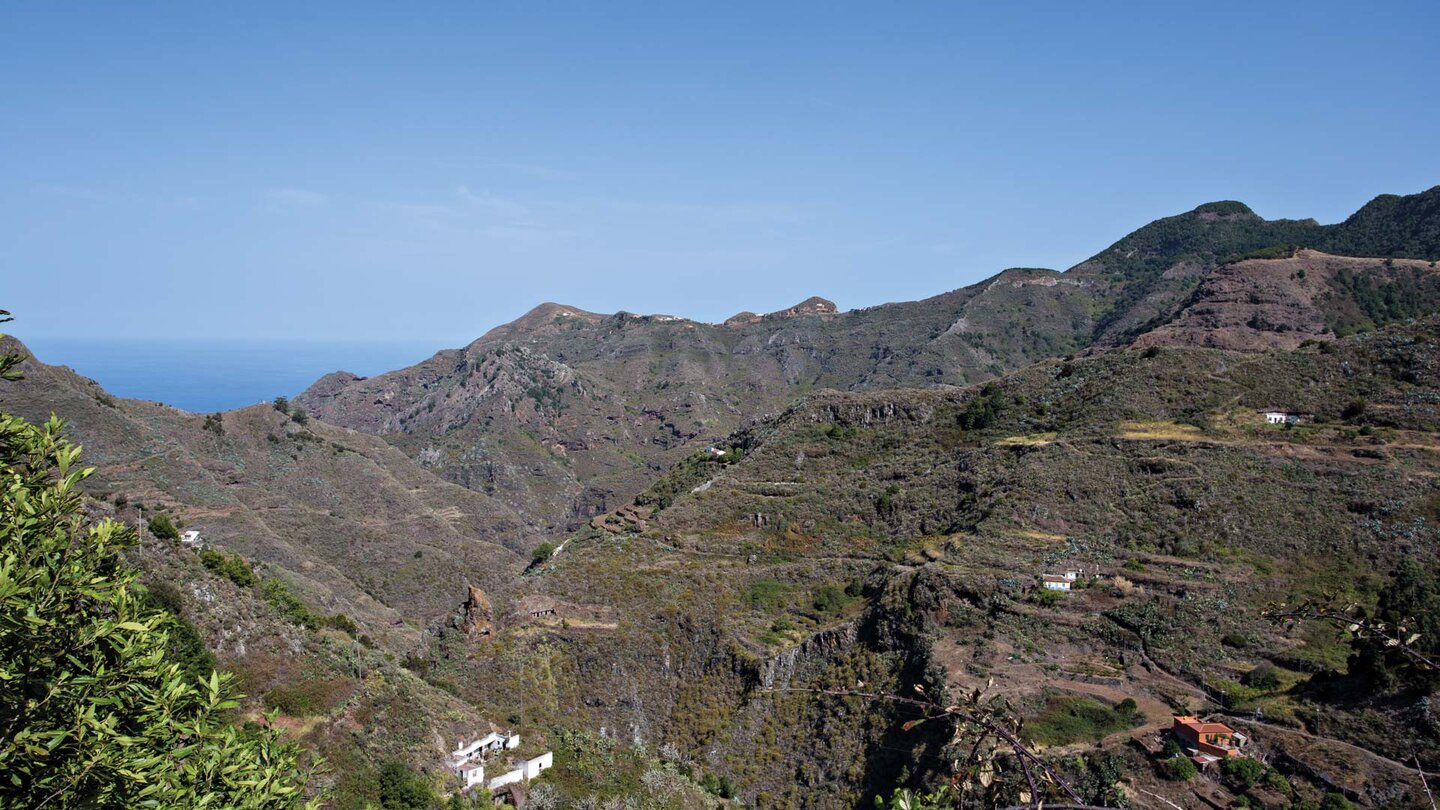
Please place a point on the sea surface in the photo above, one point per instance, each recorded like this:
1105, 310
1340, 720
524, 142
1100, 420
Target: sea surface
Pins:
206, 376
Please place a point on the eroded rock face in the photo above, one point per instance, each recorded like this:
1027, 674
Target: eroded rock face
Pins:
477, 616
1270, 304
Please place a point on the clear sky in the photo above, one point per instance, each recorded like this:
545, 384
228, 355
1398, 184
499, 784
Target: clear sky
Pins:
425, 171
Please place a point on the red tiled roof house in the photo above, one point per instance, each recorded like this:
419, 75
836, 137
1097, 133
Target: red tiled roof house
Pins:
1215, 739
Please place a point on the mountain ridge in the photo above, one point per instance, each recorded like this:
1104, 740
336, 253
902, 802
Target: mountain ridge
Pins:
605, 390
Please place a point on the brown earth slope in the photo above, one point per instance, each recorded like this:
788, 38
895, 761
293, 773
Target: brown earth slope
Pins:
1265, 304
346, 518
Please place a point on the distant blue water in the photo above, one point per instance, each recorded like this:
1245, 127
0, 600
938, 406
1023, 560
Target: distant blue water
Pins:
206, 376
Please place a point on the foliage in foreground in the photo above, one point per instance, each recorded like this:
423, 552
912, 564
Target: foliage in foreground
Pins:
92, 713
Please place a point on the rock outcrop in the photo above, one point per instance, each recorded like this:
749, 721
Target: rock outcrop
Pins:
477, 617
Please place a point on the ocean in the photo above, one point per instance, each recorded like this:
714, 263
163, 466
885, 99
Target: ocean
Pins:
205, 376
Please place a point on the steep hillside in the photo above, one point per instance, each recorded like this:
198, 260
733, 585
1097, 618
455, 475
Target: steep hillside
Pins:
345, 518
1278, 303
898, 537
564, 414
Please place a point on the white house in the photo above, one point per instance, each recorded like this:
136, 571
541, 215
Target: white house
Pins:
1281, 417
468, 760
191, 539
529, 769
1057, 582
494, 741
471, 773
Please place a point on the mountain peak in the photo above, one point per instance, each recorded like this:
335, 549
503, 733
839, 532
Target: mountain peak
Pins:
814, 305
1228, 210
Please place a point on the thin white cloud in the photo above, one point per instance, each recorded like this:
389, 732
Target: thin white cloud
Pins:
488, 203
298, 197
536, 170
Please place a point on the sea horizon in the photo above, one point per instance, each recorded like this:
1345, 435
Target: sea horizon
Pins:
221, 374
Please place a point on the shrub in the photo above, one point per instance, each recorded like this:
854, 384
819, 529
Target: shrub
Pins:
1179, 769
231, 566
162, 527
403, 789
767, 595
830, 598
287, 604
185, 647
299, 417
1264, 677
282, 405
541, 553
1276, 781
1244, 771
341, 622
1354, 410
1336, 801
1046, 597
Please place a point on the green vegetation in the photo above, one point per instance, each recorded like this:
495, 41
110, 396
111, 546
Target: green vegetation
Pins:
983, 409
1335, 801
1179, 769
287, 604
282, 405
1243, 771
1382, 297
1271, 252
542, 553
692, 471
231, 566
215, 423
831, 599
163, 528
1070, 718
767, 595
299, 416
309, 696
185, 646
95, 714
1409, 608
403, 789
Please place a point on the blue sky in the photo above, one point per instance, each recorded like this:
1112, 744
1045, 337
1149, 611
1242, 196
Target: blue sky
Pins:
426, 171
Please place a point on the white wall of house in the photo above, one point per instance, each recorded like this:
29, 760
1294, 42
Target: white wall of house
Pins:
528, 770
506, 778
1057, 586
535, 766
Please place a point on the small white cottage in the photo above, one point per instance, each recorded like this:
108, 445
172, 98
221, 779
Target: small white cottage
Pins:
1274, 417
1057, 582
191, 539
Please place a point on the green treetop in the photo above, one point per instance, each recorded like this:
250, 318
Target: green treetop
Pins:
92, 713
